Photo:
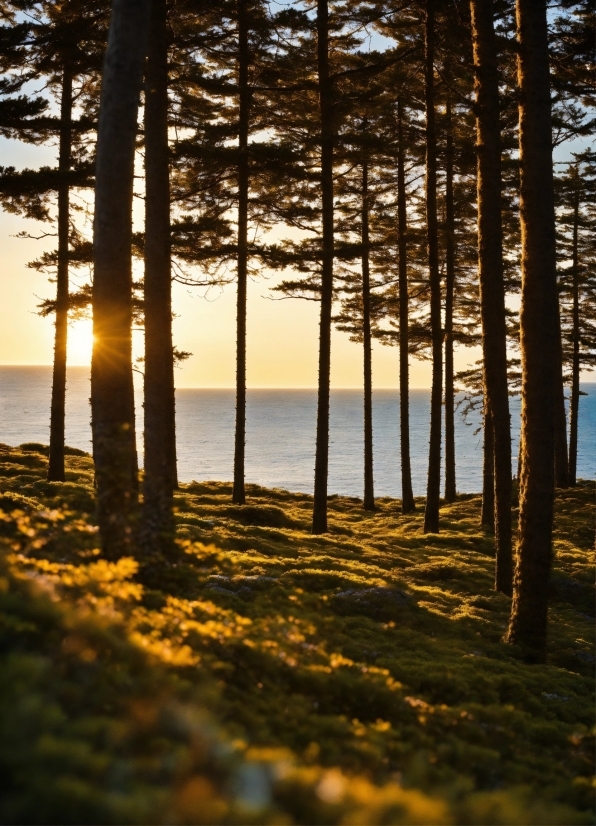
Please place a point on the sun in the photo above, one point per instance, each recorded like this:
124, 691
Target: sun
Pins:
80, 342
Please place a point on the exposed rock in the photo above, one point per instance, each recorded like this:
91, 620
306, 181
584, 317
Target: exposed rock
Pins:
377, 603
256, 582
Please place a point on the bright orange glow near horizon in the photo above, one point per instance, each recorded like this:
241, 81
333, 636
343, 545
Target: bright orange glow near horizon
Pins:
282, 342
282, 346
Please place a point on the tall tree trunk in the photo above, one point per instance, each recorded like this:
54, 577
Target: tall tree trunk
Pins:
450, 490
319, 521
158, 520
561, 456
575, 364
433, 490
172, 449
111, 369
369, 496
490, 273
58, 404
539, 333
238, 493
407, 496
487, 516
134, 458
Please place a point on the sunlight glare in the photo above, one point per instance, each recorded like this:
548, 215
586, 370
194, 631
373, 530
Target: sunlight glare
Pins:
80, 342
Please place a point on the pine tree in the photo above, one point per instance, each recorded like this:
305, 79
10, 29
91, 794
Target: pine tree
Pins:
576, 234
431, 513
452, 94
571, 33
158, 483
313, 119
492, 287
450, 485
22, 117
539, 333
357, 201
59, 49
404, 150
111, 369
368, 193
229, 102
408, 505
327, 139
369, 495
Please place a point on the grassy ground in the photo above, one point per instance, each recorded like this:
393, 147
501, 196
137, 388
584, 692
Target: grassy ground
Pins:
277, 677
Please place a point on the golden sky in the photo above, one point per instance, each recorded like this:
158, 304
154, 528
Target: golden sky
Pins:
282, 335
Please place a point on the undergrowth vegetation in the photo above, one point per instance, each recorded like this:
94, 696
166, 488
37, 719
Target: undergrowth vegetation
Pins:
271, 676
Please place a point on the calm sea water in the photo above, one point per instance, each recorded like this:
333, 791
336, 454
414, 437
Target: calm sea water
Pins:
280, 432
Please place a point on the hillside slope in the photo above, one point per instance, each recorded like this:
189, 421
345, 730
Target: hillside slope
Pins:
273, 676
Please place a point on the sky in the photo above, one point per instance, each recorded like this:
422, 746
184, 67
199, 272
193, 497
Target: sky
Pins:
282, 338
282, 343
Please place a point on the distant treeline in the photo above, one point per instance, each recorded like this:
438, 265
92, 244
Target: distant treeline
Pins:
405, 148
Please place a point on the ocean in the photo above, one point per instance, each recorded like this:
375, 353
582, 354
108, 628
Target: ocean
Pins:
280, 440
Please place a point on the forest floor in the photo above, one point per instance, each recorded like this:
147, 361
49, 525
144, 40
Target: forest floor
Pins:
272, 676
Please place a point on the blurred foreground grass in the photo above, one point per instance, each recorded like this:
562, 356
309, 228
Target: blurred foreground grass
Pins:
276, 677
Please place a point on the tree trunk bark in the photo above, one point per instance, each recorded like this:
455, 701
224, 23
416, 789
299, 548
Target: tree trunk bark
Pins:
58, 404
450, 489
561, 456
173, 450
157, 531
407, 496
490, 273
369, 496
538, 334
575, 365
111, 370
238, 493
433, 491
319, 522
487, 516
134, 458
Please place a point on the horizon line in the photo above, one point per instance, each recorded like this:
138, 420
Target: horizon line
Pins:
267, 387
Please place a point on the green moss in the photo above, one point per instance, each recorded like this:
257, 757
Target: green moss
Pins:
364, 668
